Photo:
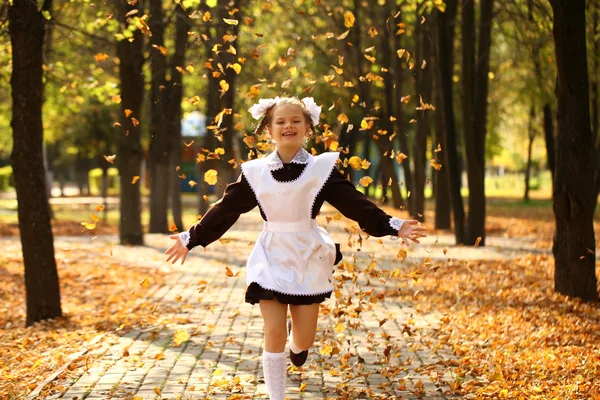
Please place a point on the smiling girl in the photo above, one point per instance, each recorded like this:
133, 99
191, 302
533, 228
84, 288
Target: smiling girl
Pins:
292, 262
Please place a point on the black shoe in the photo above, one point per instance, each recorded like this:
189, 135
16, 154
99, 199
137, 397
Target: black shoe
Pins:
297, 359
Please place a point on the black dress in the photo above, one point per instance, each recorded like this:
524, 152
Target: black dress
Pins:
239, 198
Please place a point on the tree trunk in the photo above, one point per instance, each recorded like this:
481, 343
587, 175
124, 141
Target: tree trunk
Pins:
129, 148
26, 27
531, 132
596, 91
549, 139
574, 198
445, 63
400, 117
423, 86
227, 127
388, 169
439, 178
173, 112
159, 135
475, 83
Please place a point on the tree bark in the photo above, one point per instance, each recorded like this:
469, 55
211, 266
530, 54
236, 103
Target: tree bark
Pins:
26, 27
129, 148
173, 112
549, 139
159, 135
423, 86
445, 63
531, 131
440, 178
400, 117
574, 198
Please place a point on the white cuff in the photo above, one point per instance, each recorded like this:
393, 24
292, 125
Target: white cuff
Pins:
184, 238
396, 223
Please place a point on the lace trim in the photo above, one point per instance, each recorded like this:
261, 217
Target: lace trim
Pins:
184, 238
396, 223
293, 294
312, 207
302, 157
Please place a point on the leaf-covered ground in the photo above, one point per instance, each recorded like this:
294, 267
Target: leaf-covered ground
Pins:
513, 337
98, 295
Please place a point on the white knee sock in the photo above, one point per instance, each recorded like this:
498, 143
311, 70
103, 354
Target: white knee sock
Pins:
274, 369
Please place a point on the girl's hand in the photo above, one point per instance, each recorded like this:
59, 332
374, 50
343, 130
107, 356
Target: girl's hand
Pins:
411, 230
177, 250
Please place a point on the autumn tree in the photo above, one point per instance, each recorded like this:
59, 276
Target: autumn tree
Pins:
475, 70
27, 26
129, 148
159, 135
574, 196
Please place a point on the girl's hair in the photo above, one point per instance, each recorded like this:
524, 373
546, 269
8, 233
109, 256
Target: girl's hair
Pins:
268, 117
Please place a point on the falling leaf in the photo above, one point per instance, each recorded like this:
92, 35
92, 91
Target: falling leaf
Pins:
343, 118
435, 164
343, 35
157, 391
89, 225
401, 157
224, 87
349, 19
134, 121
206, 17
423, 64
162, 50
145, 283
188, 144
405, 99
135, 179
354, 162
110, 159
230, 21
237, 68
116, 98
173, 227
365, 181
101, 57
302, 386
192, 183
127, 112
228, 271
372, 32
477, 241
210, 177
438, 149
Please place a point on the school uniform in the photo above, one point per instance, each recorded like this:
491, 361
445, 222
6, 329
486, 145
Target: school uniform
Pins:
293, 258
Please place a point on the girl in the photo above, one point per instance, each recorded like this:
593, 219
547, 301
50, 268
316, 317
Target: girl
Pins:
292, 261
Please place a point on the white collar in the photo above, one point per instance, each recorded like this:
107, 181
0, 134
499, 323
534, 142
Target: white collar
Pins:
302, 157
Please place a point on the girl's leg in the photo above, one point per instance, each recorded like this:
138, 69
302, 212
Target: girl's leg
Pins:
304, 326
274, 359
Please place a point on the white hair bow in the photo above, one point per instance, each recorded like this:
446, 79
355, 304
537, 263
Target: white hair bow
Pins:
258, 110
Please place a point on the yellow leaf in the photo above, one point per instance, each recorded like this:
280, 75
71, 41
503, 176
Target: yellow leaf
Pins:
405, 99
343, 118
401, 157
228, 271
302, 386
145, 283
94, 217
220, 151
157, 391
180, 336
435, 164
339, 328
338, 70
192, 183
116, 98
343, 35
206, 17
230, 21
173, 227
224, 86
189, 68
99, 207
210, 177
101, 57
400, 53
135, 179
237, 68
348, 19
365, 181
354, 162
365, 164
333, 146
326, 350
89, 225
110, 159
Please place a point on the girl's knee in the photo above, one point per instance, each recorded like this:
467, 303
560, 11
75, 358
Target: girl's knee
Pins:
276, 335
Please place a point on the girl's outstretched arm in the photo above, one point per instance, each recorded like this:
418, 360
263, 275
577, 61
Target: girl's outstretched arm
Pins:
341, 194
237, 199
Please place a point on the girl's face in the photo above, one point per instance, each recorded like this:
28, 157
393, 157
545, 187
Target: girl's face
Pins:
289, 126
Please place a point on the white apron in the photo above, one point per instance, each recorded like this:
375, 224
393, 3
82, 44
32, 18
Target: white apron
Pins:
292, 255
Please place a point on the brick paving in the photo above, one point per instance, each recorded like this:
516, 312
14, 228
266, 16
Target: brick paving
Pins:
221, 359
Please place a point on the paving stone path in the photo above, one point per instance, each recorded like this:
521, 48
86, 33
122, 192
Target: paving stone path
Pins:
221, 359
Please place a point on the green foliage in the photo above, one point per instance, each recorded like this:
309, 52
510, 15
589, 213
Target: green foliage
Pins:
95, 179
5, 178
